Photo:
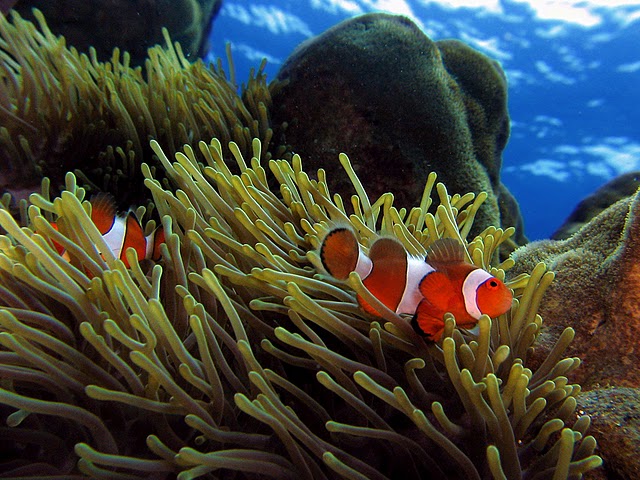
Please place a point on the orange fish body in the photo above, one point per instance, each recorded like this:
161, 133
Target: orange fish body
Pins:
121, 233
389, 273
457, 287
425, 288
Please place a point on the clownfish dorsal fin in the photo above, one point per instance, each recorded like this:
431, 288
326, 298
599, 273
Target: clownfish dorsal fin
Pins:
339, 252
447, 251
103, 211
388, 249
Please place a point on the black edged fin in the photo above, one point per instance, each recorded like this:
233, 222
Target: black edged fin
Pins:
339, 252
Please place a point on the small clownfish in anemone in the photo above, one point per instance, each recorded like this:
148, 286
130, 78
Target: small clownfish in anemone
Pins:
425, 288
120, 232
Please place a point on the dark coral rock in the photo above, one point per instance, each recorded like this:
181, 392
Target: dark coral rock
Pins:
615, 422
596, 292
131, 25
401, 106
618, 188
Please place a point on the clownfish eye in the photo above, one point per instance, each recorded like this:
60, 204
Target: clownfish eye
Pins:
492, 284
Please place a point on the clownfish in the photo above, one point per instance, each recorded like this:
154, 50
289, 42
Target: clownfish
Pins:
121, 232
425, 288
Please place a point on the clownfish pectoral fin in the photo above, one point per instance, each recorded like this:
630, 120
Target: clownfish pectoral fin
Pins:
133, 238
103, 212
339, 252
428, 321
388, 278
437, 288
446, 250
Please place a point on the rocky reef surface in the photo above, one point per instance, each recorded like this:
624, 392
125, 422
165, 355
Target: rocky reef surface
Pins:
620, 187
597, 292
402, 105
406, 105
118, 23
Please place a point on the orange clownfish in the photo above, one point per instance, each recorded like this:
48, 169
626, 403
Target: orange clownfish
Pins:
425, 288
121, 232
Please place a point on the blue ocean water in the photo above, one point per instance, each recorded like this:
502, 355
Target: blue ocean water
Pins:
573, 68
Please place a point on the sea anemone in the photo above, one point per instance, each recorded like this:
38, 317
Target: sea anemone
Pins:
64, 111
235, 355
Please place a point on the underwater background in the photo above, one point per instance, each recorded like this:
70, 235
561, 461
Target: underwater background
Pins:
207, 334
573, 69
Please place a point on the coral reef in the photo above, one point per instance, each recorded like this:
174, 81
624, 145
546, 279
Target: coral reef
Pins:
597, 292
61, 111
620, 187
235, 356
616, 424
403, 106
130, 25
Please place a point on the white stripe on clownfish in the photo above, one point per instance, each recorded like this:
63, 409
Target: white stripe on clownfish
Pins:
426, 288
114, 237
121, 232
388, 272
470, 290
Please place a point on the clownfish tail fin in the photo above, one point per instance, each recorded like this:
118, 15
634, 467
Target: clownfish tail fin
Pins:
339, 252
